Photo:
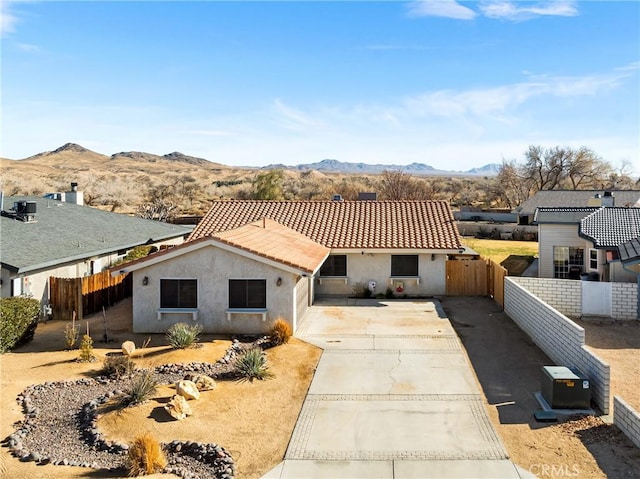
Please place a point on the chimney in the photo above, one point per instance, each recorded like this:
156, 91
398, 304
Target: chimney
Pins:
608, 199
74, 196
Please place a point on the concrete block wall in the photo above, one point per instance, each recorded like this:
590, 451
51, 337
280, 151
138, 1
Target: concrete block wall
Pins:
559, 337
565, 295
627, 419
624, 299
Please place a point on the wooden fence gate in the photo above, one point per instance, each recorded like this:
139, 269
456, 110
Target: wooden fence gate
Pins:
481, 277
86, 295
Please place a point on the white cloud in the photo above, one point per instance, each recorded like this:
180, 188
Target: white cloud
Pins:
8, 20
440, 8
497, 9
293, 119
508, 10
506, 98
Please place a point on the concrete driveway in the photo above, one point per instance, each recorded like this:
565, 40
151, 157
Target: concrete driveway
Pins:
393, 397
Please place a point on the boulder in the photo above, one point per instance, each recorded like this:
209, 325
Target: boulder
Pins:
178, 408
128, 347
202, 382
187, 389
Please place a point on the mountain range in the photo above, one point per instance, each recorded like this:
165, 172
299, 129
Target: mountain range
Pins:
324, 166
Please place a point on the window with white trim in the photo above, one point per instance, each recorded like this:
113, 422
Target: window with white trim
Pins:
568, 262
593, 259
247, 293
178, 293
404, 265
334, 265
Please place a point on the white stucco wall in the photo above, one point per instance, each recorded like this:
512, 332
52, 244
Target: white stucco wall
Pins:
371, 266
213, 268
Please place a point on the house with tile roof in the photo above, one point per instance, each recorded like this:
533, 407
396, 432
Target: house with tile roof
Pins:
585, 242
249, 262
575, 199
44, 237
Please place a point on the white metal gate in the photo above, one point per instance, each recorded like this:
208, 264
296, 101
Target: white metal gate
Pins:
596, 298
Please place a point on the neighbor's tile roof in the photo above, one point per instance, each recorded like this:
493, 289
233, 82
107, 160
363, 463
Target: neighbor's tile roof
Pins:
630, 251
66, 232
610, 227
561, 215
345, 224
271, 240
575, 198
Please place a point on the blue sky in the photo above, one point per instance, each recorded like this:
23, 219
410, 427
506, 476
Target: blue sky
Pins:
451, 84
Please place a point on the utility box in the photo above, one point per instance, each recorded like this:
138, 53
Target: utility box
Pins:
565, 388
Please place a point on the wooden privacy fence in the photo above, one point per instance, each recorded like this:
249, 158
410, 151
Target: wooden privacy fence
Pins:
480, 277
86, 295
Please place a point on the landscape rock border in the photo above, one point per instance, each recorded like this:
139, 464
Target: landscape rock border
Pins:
53, 408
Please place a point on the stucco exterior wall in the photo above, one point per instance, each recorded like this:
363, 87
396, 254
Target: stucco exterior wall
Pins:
212, 267
362, 268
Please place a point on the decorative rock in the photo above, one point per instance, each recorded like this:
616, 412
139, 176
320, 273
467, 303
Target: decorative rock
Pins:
178, 408
187, 389
128, 347
202, 382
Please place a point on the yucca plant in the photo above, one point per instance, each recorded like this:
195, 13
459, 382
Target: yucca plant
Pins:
141, 389
280, 332
145, 456
252, 364
182, 335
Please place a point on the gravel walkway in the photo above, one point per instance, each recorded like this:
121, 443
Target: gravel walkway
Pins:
60, 423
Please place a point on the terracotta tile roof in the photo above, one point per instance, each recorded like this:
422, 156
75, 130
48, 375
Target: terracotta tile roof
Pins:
345, 224
276, 242
610, 227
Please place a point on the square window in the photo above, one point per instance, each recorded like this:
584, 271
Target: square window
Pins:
568, 262
248, 293
404, 265
334, 265
178, 293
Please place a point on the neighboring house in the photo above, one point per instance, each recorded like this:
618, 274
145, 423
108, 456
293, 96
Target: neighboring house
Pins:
398, 245
630, 255
575, 199
583, 243
44, 237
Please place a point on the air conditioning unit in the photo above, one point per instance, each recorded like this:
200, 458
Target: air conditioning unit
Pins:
565, 388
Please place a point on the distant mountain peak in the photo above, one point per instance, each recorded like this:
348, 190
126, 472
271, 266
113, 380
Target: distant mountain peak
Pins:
74, 147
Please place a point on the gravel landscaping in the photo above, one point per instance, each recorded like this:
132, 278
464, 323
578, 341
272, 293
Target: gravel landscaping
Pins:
60, 423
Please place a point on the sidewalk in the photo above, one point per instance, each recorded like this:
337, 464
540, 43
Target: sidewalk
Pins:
393, 397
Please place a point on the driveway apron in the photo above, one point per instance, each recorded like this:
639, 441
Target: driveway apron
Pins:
393, 396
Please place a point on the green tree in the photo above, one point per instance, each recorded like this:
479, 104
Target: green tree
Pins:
268, 185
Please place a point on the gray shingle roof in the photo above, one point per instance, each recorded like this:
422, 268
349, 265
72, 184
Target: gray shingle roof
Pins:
574, 199
66, 232
630, 251
611, 227
561, 215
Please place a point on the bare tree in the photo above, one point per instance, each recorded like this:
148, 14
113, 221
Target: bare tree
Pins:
158, 209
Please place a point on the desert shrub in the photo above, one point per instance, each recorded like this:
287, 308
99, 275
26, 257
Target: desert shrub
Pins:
145, 456
142, 387
361, 290
71, 332
86, 349
280, 332
118, 366
252, 364
136, 253
18, 321
183, 335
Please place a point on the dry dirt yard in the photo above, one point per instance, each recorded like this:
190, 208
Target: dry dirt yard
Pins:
253, 421
507, 365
